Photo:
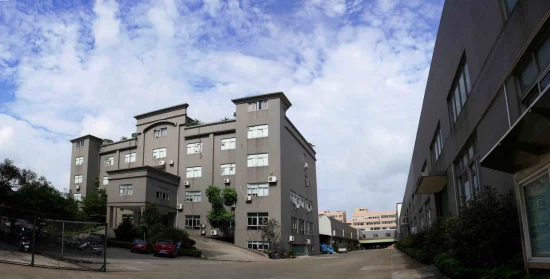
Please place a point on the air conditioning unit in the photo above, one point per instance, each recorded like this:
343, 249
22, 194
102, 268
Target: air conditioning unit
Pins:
296, 206
307, 182
77, 187
179, 206
308, 241
203, 232
308, 210
290, 238
213, 232
161, 163
272, 179
305, 165
171, 162
404, 220
186, 183
248, 198
226, 181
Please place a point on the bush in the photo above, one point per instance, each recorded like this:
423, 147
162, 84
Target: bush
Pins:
190, 252
177, 235
120, 244
125, 231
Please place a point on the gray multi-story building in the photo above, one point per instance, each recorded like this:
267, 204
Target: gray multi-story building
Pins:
485, 118
260, 153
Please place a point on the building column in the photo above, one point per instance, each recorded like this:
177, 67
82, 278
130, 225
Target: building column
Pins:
110, 217
136, 218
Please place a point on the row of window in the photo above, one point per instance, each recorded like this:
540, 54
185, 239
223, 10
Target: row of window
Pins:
304, 227
300, 201
379, 228
375, 235
258, 245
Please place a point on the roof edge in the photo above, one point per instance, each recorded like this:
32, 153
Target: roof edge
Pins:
272, 95
85, 137
160, 111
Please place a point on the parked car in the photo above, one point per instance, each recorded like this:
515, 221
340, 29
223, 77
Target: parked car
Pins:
166, 248
342, 248
140, 246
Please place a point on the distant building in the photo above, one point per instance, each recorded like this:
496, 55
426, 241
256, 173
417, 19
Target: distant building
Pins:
332, 231
398, 220
367, 220
339, 215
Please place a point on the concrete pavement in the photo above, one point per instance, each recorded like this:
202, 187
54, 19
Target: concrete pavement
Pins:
367, 264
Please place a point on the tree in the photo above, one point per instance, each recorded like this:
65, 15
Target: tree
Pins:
94, 205
193, 122
218, 217
106, 141
123, 138
126, 230
151, 220
271, 232
9, 178
224, 119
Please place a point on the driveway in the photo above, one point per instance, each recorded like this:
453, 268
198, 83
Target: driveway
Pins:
223, 251
387, 263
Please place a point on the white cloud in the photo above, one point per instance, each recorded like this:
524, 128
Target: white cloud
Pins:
355, 73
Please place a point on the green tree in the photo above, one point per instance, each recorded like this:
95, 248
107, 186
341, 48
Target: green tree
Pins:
271, 232
9, 179
125, 231
106, 141
151, 220
123, 138
94, 205
224, 119
218, 217
193, 122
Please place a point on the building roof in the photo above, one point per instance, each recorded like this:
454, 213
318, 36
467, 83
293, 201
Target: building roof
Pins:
85, 137
273, 95
160, 111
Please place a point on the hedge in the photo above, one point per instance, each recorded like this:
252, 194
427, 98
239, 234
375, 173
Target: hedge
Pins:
120, 244
191, 253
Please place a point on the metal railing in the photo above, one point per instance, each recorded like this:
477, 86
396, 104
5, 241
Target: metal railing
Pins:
29, 238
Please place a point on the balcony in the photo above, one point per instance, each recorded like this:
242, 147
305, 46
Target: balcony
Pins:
429, 183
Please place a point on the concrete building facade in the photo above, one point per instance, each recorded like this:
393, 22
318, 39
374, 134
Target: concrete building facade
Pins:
260, 153
365, 220
332, 231
485, 117
339, 215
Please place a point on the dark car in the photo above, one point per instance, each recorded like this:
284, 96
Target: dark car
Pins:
140, 246
166, 248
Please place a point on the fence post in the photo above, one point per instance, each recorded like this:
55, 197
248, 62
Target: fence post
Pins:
33, 238
105, 250
62, 238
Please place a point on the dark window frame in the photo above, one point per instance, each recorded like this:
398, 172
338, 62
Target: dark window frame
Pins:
467, 158
455, 96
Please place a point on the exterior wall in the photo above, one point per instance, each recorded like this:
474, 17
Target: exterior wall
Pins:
377, 234
492, 44
360, 219
339, 215
89, 167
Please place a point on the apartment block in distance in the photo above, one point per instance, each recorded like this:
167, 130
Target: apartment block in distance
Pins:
485, 120
339, 215
260, 153
374, 227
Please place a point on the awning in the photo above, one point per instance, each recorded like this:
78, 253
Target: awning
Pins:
525, 141
378, 240
429, 183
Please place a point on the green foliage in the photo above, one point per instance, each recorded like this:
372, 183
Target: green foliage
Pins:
94, 205
119, 244
125, 230
123, 138
271, 232
193, 122
190, 252
224, 119
107, 141
151, 220
218, 217
482, 241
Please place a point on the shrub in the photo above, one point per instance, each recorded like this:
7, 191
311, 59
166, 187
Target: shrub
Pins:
190, 252
125, 231
177, 235
120, 244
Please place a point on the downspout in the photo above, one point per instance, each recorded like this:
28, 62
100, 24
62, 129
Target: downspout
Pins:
177, 173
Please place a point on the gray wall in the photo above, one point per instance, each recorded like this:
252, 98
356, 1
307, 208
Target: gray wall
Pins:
492, 44
89, 167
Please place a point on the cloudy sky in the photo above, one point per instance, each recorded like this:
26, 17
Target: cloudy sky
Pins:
354, 71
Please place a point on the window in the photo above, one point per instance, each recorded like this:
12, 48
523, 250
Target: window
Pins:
307, 228
294, 222
374, 235
257, 160
109, 161
77, 197
79, 143
78, 179
388, 234
257, 220
193, 172
260, 190
257, 131
437, 145
227, 169
79, 161
193, 222
509, 5
258, 245
126, 189
193, 196
534, 202
300, 201
130, 158
105, 180
163, 194
302, 227
310, 207
161, 132
159, 153
194, 148
257, 105
466, 171
533, 68
459, 91
293, 197
228, 143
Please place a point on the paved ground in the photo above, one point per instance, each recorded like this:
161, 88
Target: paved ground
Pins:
217, 250
367, 264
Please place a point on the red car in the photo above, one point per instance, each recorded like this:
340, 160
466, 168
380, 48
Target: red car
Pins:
165, 247
140, 246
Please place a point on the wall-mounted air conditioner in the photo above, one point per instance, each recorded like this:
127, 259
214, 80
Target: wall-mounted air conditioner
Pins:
290, 238
171, 162
179, 206
186, 183
404, 220
308, 210
162, 163
203, 226
272, 179
296, 206
203, 232
233, 205
226, 181
77, 187
248, 198
305, 165
213, 232
308, 241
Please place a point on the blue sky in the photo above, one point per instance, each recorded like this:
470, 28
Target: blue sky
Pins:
355, 72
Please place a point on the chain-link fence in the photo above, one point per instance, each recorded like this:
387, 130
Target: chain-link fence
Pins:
29, 238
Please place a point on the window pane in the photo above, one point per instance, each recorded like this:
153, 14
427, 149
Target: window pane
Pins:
545, 81
458, 104
467, 78
473, 173
527, 74
537, 196
543, 53
452, 109
461, 83
531, 97
467, 190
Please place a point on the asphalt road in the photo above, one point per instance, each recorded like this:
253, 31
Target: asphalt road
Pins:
387, 263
